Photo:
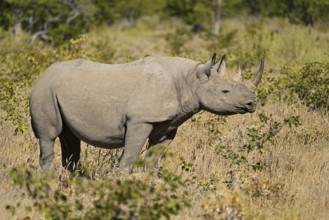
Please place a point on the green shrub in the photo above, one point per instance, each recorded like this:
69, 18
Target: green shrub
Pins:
254, 140
176, 41
311, 83
51, 21
19, 69
158, 195
14, 102
26, 64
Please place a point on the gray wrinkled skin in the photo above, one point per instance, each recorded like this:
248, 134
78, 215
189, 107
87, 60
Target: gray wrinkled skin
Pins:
124, 105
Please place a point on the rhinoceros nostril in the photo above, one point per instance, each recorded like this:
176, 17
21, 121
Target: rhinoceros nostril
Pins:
249, 104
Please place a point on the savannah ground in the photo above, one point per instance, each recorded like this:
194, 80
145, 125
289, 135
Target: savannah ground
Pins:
272, 164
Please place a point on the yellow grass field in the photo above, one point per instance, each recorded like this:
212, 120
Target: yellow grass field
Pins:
287, 177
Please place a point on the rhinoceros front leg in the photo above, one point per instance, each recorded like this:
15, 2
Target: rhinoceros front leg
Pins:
135, 138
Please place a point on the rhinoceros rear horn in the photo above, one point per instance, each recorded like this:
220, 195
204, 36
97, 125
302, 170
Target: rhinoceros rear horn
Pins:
238, 74
256, 79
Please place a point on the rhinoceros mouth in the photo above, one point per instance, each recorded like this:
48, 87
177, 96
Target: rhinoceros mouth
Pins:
244, 110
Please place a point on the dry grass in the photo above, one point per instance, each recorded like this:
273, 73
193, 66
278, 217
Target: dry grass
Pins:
294, 184
296, 181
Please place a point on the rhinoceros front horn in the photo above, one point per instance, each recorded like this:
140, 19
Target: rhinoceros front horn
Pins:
256, 79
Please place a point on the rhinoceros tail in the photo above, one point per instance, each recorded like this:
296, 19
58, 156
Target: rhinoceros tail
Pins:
32, 122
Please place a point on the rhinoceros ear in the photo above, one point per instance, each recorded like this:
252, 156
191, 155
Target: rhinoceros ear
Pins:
206, 68
220, 67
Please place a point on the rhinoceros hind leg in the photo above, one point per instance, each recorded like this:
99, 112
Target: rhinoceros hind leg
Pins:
169, 137
155, 149
70, 146
46, 153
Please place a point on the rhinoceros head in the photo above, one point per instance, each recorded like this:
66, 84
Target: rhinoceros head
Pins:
224, 96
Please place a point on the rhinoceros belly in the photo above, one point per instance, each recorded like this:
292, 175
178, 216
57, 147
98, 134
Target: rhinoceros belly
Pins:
100, 124
97, 134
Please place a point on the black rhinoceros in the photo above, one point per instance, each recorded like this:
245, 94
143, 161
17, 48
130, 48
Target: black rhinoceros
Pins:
124, 105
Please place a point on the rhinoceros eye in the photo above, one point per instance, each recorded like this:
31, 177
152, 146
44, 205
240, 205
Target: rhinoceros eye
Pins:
225, 91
